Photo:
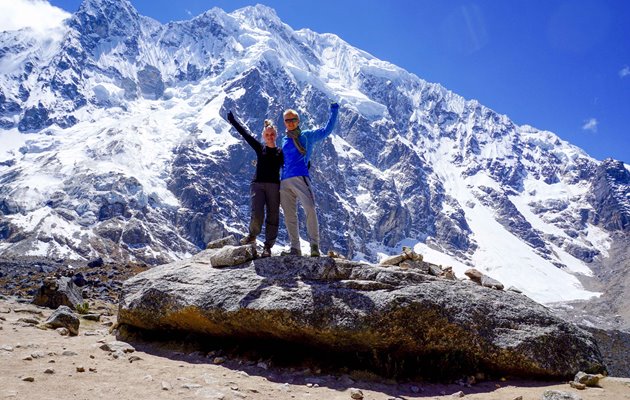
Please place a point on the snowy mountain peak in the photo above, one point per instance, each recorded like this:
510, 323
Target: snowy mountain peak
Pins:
115, 145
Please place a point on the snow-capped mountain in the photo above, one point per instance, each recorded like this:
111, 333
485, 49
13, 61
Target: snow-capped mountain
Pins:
114, 144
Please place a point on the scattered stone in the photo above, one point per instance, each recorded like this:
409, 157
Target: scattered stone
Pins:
118, 346
134, 358
218, 360
63, 317
63, 331
29, 321
166, 386
226, 241
518, 398
28, 379
92, 317
482, 279
227, 256
49, 371
577, 385
80, 369
6, 347
356, 394
29, 311
458, 394
28, 358
5, 311
559, 395
587, 379
491, 283
393, 260
69, 353
92, 369
514, 289
263, 365
191, 386
435, 270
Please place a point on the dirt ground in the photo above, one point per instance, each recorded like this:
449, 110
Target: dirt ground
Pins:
38, 363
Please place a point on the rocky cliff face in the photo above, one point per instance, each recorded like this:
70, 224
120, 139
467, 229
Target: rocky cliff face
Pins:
116, 146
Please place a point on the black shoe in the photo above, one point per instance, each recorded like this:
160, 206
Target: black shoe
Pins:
248, 240
292, 252
315, 250
266, 252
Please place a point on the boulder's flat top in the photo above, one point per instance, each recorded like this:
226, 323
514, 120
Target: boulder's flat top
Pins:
195, 376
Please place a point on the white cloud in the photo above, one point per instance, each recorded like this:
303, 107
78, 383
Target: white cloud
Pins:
39, 15
590, 125
625, 71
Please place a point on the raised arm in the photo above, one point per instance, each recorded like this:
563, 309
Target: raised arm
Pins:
255, 144
322, 133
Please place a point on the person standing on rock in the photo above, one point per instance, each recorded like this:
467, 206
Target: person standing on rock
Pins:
297, 146
265, 186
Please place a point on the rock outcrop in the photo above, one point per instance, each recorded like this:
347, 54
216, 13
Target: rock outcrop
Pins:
56, 292
397, 321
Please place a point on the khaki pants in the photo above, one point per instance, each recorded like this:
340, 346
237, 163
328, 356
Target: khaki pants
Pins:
292, 190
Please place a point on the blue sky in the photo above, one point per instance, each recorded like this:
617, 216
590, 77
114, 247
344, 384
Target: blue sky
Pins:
559, 65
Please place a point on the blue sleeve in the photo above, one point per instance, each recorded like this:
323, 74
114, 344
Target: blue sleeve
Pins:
322, 133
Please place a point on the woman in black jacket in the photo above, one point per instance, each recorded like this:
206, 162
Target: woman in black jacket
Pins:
265, 187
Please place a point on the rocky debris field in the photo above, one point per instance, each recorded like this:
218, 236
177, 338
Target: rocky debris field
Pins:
39, 362
96, 280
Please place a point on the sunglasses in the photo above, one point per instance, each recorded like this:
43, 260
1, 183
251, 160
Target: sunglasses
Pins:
291, 120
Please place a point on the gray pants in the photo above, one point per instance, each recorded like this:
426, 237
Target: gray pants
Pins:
292, 190
265, 195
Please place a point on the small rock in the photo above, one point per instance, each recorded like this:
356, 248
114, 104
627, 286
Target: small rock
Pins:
117, 345
69, 353
38, 354
28, 379
63, 331
577, 385
63, 317
92, 317
28, 358
166, 386
458, 394
218, 360
92, 369
414, 389
356, 394
29, 321
80, 369
49, 371
587, 379
6, 347
559, 395
262, 365
518, 398
134, 358
191, 386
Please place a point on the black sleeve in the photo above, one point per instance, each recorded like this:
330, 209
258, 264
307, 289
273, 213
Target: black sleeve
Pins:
246, 135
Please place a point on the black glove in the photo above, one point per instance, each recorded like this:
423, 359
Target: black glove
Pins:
334, 106
230, 117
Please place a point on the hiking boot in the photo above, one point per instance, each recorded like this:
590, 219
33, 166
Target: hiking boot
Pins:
315, 250
248, 240
291, 252
266, 252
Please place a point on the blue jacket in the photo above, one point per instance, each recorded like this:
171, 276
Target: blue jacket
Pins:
296, 164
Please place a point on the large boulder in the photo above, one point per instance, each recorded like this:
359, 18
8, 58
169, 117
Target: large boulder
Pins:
398, 321
56, 292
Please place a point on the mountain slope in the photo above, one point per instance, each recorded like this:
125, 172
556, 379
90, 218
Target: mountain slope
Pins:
114, 144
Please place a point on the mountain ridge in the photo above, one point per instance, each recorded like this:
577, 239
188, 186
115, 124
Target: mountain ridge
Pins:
119, 139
